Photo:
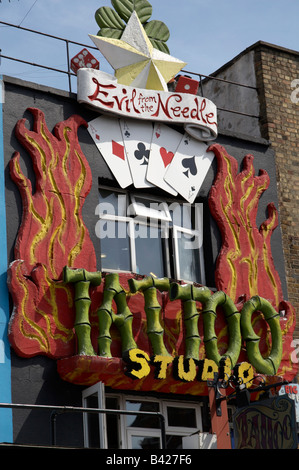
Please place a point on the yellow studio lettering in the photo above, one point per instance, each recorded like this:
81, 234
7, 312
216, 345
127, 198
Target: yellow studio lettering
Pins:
245, 373
184, 369
138, 363
225, 368
208, 370
161, 363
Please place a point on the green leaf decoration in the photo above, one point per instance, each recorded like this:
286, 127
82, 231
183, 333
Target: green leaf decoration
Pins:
125, 9
112, 21
110, 33
109, 19
160, 45
158, 34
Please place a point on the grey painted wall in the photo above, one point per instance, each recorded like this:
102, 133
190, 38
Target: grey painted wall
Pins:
236, 98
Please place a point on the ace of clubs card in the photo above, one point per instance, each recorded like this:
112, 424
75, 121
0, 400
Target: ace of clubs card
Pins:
189, 167
137, 137
165, 142
107, 136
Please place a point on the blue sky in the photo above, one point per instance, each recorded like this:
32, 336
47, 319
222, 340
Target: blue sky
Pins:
205, 34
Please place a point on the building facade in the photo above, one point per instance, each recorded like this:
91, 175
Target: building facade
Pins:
131, 297
271, 73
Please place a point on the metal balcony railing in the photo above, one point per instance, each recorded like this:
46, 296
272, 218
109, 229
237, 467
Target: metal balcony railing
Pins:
68, 72
56, 410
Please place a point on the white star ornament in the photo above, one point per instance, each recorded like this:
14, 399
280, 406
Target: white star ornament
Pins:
135, 61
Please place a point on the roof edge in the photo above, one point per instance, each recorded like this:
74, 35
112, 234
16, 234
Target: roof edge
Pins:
257, 45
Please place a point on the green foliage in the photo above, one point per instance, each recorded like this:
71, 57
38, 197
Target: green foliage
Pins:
158, 34
125, 9
110, 23
113, 22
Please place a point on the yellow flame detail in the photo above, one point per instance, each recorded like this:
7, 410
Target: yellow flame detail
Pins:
41, 336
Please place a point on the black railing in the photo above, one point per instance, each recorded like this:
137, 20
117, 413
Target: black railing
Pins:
56, 410
201, 77
66, 41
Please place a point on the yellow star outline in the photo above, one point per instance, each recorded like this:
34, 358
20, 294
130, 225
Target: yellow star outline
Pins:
135, 61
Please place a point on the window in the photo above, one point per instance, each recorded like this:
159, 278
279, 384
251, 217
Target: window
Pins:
94, 424
140, 431
147, 236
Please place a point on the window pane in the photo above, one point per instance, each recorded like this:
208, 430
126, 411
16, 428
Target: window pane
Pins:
188, 258
145, 442
149, 253
115, 250
142, 421
182, 215
181, 417
112, 421
112, 203
174, 442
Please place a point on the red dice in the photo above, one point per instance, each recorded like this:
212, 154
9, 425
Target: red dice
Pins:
187, 85
84, 59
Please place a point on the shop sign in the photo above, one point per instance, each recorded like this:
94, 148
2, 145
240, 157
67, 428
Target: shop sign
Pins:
269, 424
75, 322
101, 91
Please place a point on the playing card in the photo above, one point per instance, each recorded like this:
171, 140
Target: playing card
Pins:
107, 136
189, 167
137, 137
165, 142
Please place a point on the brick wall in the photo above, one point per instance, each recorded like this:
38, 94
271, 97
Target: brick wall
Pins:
276, 68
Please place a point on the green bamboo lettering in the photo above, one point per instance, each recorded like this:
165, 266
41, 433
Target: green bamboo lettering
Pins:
189, 294
270, 364
123, 319
233, 319
239, 323
155, 331
82, 280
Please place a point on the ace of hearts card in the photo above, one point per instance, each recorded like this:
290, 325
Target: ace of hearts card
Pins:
165, 142
107, 136
189, 167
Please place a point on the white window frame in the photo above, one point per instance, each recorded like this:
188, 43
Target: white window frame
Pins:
177, 267
177, 430
198, 233
126, 432
149, 217
131, 223
150, 212
142, 432
98, 390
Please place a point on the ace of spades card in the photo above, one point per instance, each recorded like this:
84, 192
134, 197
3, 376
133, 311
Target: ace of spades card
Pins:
137, 136
165, 142
189, 167
107, 136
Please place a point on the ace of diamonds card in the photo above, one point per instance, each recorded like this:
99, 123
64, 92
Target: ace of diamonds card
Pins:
107, 136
